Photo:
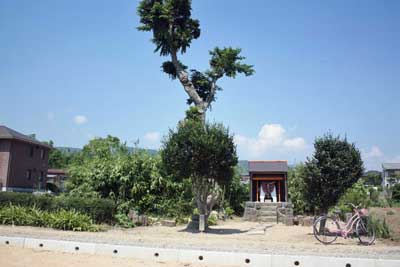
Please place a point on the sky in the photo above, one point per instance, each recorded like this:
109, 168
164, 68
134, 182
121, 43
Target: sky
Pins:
74, 70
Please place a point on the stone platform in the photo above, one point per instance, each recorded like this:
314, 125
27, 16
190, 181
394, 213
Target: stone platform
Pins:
269, 212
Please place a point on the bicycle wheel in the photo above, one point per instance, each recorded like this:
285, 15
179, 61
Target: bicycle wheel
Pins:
365, 232
326, 229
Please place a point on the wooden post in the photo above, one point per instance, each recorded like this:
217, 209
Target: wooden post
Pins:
257, 192
279, 191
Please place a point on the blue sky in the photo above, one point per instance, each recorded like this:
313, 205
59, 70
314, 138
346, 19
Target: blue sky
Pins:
72, 70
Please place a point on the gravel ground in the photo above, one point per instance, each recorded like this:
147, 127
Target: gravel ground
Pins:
233, 235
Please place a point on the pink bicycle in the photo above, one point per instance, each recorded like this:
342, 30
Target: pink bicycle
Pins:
327, 229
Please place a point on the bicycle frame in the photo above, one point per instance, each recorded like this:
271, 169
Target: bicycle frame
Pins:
348, 228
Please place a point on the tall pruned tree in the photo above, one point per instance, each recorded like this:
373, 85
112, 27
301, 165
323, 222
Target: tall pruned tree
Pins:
173, 30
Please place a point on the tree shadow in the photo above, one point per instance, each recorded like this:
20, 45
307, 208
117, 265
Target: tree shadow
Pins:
215, 231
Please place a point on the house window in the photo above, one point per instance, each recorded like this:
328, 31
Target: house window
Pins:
41, 176
31, 151
28, 174
42, 154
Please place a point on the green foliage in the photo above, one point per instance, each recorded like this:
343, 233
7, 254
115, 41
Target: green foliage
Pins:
396, 192
204, 153
358, 194
382, 229
59, 159
296, 189
372, 178
169, 68
71, 220
200, 151
171, 23
17, 215
124, 221
373, 195
100, 210
32, 216
390, 213
131, 180
227, 61
236, 194
173, 30
212, 220
335, 166
229, 211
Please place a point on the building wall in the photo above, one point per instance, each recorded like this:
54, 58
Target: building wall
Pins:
387, 174
24, 161
4, 161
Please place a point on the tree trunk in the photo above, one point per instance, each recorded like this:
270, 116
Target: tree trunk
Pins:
322, 224
200, 189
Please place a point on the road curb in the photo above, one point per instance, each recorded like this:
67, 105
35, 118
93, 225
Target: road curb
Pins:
223, 258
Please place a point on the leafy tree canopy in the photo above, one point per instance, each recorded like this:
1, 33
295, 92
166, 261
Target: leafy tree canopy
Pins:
173, 30
204, 153
335, 166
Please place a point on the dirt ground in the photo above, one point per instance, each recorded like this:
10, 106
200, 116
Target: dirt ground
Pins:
234, 235
12, 257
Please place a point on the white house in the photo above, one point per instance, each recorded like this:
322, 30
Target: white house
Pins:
390, 174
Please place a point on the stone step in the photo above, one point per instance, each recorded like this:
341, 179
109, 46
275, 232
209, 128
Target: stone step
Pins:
267, 219
267, 213
267, 209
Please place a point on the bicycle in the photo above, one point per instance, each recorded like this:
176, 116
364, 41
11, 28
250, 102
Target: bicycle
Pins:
327, 229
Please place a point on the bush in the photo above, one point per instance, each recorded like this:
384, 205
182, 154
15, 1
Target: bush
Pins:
17, 215
100, 210
357, 194
212, 220
296, 189
229, 212
382, 229
236, 194
390, 213
124, 221
32, 216
396, 192
71, 220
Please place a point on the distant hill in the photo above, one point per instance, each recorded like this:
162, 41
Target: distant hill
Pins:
72, 150
68, 150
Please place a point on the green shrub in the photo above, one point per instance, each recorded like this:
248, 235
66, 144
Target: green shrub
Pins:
32, 216
383, 203
124, 221
396, 192
382, 229
357, 194
229, 211
212, 220
71, 220
100, 210
390, 213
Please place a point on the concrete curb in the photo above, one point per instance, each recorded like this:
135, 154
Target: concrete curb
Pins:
192, 255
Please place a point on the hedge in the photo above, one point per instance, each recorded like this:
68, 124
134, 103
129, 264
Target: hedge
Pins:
32, 216
100, 210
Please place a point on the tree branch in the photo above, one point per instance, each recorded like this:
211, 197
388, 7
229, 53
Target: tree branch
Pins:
212, 93
183, 77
